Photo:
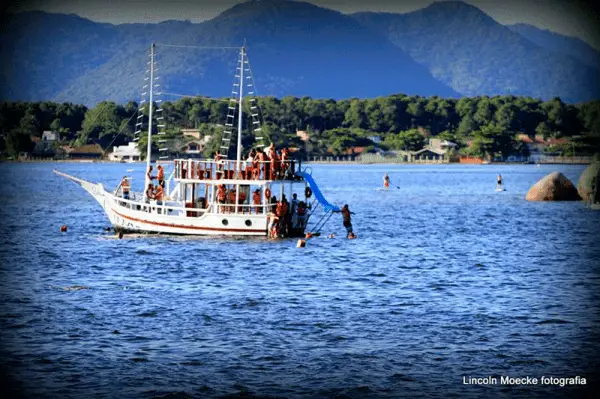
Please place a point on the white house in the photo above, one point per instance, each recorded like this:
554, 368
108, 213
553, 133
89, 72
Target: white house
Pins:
125, 153
442, 146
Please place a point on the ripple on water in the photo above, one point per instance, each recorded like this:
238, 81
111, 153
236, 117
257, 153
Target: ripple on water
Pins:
427, 292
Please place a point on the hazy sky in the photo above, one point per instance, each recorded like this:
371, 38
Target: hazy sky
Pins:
569, 17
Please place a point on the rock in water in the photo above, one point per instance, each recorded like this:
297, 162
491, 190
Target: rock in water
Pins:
554, 187
584, 185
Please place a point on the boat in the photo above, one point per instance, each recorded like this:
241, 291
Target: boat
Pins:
195, 204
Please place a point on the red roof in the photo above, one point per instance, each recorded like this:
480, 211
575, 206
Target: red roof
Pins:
524, 138
354, 150
554, 141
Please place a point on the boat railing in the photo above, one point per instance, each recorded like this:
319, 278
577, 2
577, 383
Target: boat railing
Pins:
189, 169
190, 209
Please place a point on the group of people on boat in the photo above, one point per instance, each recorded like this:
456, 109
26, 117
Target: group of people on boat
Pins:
287, 219
157, 192
227, 198
270, 164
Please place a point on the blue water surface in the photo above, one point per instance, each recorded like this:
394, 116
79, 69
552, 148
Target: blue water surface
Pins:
447, 279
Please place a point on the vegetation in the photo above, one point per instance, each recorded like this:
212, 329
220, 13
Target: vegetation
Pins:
481, 126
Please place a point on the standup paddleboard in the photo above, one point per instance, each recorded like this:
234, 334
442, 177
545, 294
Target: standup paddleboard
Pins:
500, 189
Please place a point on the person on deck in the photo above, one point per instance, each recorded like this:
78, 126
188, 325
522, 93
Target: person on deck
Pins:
270, 150
248, 167
149, 173
347, 220
294, 210
266, 162
158, 196
125, 187
286, 219
286, 166
386, 181
219, 165
274, 166
256, 200
160, 176
256, 164
221, 196
149, 192
301, 217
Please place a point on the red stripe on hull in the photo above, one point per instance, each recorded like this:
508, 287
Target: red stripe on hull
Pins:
180, 226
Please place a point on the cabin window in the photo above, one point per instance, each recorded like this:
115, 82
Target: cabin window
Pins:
248, 222
225, 222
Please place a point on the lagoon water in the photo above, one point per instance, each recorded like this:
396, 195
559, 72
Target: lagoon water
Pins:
447, 279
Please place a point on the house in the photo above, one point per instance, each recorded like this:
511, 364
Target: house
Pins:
125, 153
440, 145
193, 149
538, 146
428, 154
195, 133
50, 136
304, 136
44, 146
88, 151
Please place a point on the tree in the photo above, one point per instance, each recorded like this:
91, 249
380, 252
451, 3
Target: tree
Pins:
17, 141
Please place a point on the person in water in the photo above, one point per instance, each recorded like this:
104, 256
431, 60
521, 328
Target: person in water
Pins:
386, 181
499, 180
347, 220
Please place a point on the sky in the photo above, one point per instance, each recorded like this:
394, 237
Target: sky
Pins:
569, 17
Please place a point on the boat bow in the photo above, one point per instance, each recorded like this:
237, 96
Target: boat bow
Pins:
96, 190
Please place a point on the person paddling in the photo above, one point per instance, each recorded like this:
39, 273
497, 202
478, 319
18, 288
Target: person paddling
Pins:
386, 181
499, 180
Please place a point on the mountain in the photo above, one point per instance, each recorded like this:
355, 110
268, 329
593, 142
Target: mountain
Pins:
472, 53
295, 48
558, 43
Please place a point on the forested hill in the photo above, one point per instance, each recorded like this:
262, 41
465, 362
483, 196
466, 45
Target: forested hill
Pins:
567, 45
449, 49
475, 55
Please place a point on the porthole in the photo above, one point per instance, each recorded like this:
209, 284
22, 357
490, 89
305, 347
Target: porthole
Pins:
248, 222
225, 222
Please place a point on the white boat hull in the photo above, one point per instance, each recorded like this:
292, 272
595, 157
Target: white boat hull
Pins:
127, 218
141, 221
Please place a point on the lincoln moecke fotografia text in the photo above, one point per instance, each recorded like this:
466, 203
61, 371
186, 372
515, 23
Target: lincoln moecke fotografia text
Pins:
527, 380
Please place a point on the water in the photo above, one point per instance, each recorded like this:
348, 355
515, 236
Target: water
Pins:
447, 278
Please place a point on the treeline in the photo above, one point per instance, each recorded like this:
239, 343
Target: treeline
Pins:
484, 126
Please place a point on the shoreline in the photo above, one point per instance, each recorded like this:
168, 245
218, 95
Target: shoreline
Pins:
96, 161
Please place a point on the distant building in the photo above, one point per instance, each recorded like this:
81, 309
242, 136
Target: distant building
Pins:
193, 149
195, 133
303, 134
88, 151
50, 136
440, 145
125, 153
428, 154
44, 146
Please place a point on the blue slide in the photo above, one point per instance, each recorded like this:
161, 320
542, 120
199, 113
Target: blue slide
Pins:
318, 195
